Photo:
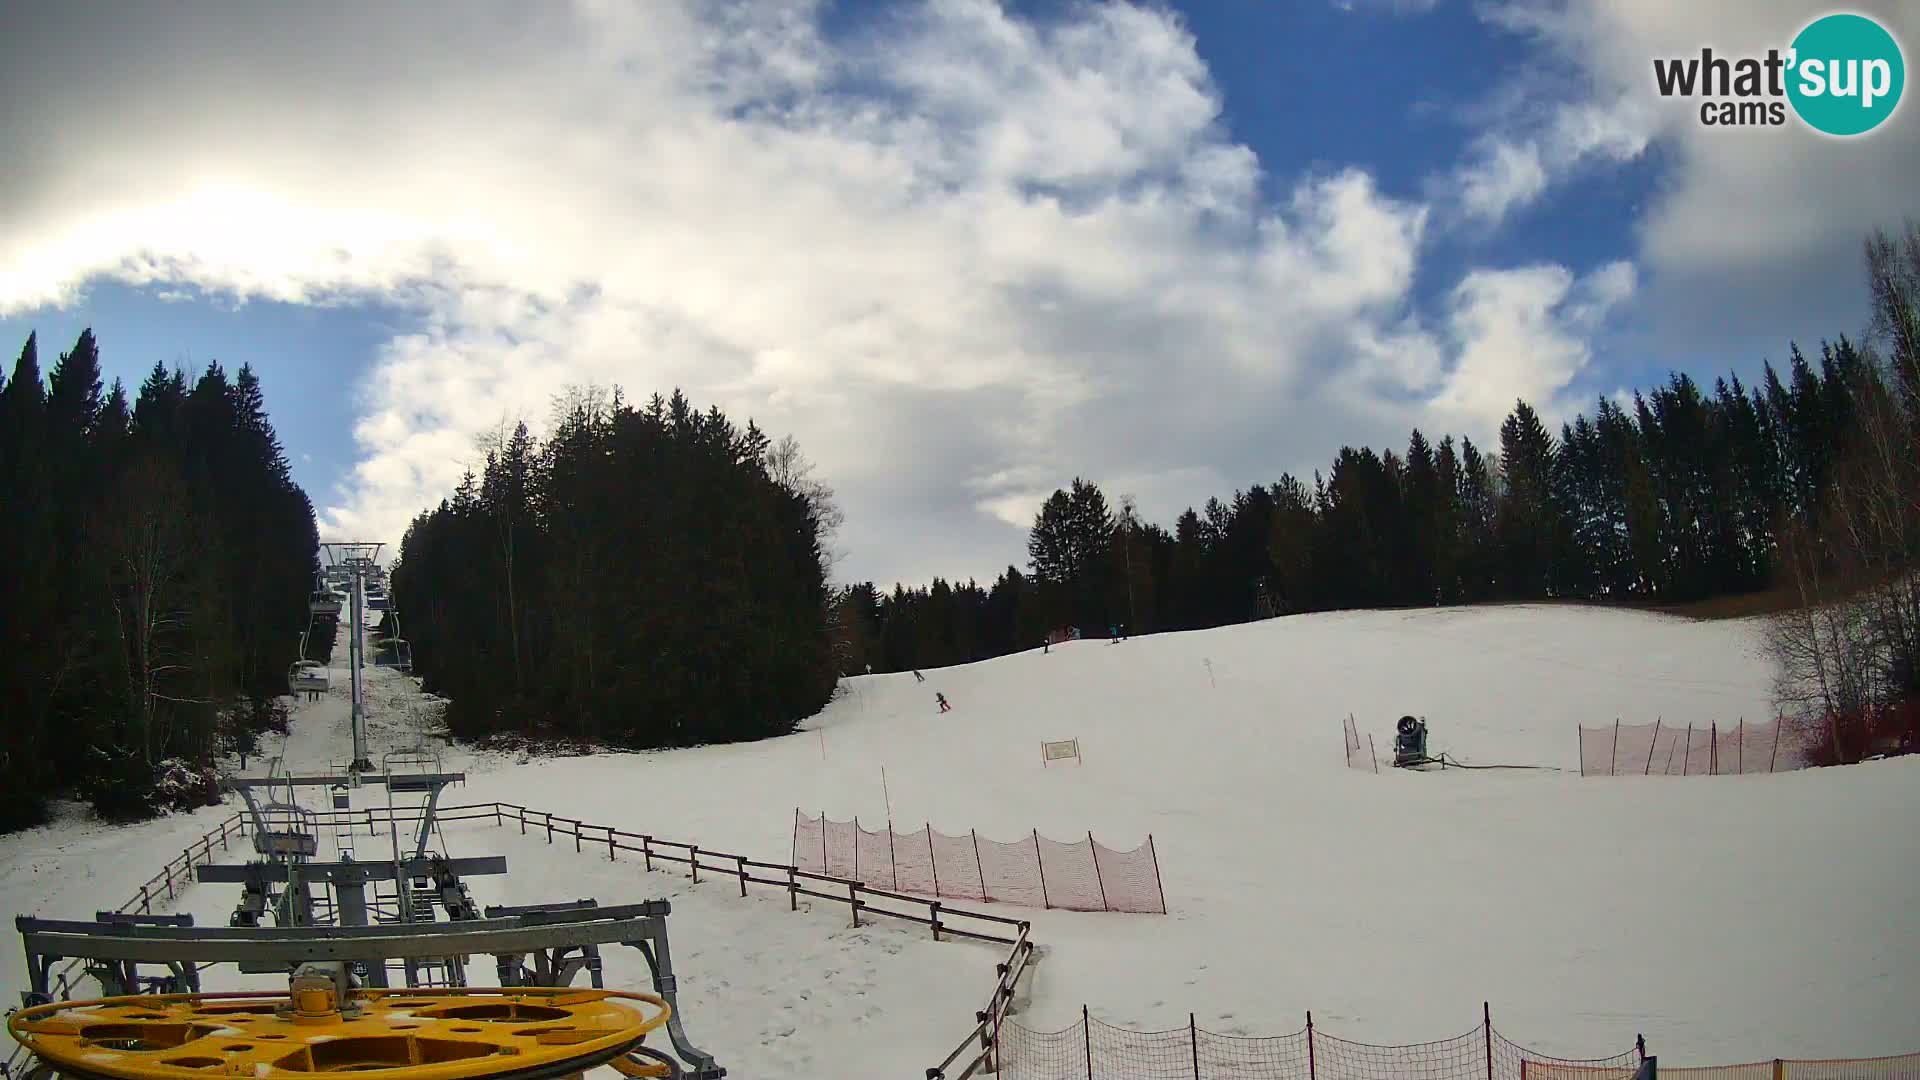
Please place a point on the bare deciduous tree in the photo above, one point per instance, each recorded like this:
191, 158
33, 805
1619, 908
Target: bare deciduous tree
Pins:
1849, 655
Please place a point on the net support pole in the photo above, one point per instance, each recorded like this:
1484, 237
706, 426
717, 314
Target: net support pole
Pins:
1740, 747
1086, 1029
1162, 889
1613, 757
1193, 1040
978, 870
823, 844
932, 861
796, 836
1486, 1026
1313, 1067
1094, 854
1656, 742
1042, 868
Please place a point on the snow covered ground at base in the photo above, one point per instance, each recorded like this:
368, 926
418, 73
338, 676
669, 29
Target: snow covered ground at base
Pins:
1728, 918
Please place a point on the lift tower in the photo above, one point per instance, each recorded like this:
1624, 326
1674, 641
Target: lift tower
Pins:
360, 559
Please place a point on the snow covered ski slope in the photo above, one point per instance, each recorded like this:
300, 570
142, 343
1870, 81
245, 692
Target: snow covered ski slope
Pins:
1728, 918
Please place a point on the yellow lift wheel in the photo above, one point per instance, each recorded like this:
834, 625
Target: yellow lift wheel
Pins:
469, 1033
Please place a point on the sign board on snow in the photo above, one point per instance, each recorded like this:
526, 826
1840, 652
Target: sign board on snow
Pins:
1064, 750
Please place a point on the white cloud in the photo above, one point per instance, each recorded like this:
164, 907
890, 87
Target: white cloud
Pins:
1751, 236
1524, 333
1397, 7
963, 257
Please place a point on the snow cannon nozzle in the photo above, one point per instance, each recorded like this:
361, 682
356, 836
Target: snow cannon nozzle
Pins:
1410, 744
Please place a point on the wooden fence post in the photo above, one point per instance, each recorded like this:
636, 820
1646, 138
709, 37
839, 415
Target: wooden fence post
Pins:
853, 901
610, 856
549, 814
743, 874
1041, 867
933, 910
646, 850
1093, 853
693, 861
793, 889
521, 809
146, 905
496, 814
577, 826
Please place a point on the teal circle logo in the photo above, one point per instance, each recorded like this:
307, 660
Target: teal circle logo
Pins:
1846, 74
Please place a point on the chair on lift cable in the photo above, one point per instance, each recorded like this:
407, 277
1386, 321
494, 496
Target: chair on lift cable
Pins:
307, 675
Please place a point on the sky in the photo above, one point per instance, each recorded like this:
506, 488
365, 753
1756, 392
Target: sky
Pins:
965, 252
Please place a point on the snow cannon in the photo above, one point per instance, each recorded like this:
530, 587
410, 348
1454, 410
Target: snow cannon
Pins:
1410, 743
512, 1033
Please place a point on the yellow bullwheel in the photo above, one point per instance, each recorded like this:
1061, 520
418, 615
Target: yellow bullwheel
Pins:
518, 1033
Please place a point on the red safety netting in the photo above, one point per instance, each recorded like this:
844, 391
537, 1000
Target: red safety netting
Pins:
956, 866
1082, 875
1666, 749
1131, 879
1012, 872
1096, 1049
1900, 1067
1070, 875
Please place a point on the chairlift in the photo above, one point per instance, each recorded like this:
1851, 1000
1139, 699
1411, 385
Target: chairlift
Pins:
323, 602
306, 676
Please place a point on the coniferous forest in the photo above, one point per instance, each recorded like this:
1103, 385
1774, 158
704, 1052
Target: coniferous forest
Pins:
645, 577
1672, 497
157, 558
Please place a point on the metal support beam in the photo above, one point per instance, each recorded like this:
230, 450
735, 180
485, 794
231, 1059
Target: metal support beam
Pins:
229, 874
282, 946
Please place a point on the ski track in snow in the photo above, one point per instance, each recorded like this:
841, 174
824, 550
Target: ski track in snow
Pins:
1727, 918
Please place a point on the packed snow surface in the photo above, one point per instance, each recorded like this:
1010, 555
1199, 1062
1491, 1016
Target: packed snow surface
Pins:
1729, 918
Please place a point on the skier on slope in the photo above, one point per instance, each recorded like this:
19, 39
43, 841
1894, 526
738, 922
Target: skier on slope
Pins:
945, 706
